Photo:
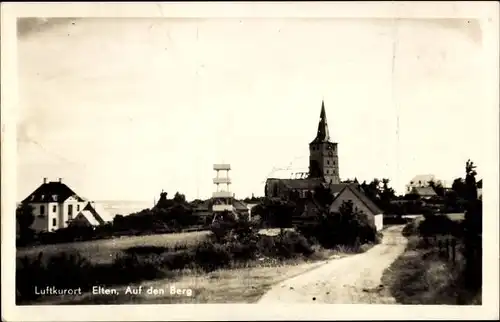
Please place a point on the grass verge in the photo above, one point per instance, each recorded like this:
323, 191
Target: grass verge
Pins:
421, 276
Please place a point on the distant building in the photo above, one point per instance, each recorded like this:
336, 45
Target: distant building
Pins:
361, 202
323, 167
54, 204
422, 181
310, 208
423, 192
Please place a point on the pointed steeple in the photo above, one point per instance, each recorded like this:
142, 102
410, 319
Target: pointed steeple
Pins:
323, 134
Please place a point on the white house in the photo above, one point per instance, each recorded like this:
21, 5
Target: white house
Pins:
422, 181
360, 201
54, 205
93, 214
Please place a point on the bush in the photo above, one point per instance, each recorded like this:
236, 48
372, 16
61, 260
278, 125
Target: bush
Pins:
411, 229
434, 225
211, 256
64, 270
71, 271
349, 227
290, 244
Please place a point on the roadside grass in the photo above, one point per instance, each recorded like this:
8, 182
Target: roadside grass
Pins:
243, 282
421, 276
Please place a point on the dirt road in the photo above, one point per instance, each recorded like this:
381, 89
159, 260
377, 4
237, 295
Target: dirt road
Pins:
353, 279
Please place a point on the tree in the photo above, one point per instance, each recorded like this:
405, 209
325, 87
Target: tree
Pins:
459, 187
179, 198
25, 218
472, 229
323, 195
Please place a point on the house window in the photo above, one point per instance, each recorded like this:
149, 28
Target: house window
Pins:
54, 208
70, 210
77, 207
54, 222
42, 210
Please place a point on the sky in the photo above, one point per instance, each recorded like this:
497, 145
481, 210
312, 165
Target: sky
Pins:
122, 108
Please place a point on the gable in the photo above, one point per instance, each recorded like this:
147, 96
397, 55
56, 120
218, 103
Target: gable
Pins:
348, 194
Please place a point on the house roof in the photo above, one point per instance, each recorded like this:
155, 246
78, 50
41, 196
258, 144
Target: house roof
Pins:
98, 212
362, 197
423, 179
52, 192
207, 205
89, 216
424, 191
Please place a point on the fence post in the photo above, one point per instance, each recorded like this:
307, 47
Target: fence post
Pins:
448, 249
453, 249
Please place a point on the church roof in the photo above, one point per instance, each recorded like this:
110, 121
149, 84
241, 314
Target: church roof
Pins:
311, 183
323, 134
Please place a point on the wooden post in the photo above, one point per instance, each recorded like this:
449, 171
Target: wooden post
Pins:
453, 249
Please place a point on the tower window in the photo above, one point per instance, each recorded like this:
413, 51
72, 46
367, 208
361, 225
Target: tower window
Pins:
54, 222
327, 161
327, 171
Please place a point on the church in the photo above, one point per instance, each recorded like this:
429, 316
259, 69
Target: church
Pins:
323, 168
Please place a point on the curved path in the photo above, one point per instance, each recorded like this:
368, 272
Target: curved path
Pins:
349, 280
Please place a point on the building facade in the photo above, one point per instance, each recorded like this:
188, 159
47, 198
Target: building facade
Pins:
54, 205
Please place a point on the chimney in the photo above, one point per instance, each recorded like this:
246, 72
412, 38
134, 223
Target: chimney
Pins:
60, 180
44, 180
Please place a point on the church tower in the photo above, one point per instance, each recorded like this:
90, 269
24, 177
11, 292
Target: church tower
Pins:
323, 155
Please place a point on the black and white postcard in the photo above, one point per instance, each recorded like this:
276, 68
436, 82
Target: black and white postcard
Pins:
299, 156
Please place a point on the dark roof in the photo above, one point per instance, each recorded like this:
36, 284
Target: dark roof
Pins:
312, 183
424, 191
362, 197
207, 205
52, 192
239, 205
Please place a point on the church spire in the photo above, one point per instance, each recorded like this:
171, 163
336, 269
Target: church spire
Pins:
322, 135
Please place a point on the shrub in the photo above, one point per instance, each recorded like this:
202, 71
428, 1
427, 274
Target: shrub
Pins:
64, 270
438, 225
147, 249
349, 227
290, 244
410, 229
132, 268
211, 256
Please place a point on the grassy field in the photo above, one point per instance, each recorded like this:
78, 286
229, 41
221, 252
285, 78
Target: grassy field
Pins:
234, 285
103, 251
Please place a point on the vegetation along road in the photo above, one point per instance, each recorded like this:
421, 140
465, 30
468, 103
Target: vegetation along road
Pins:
354, 279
